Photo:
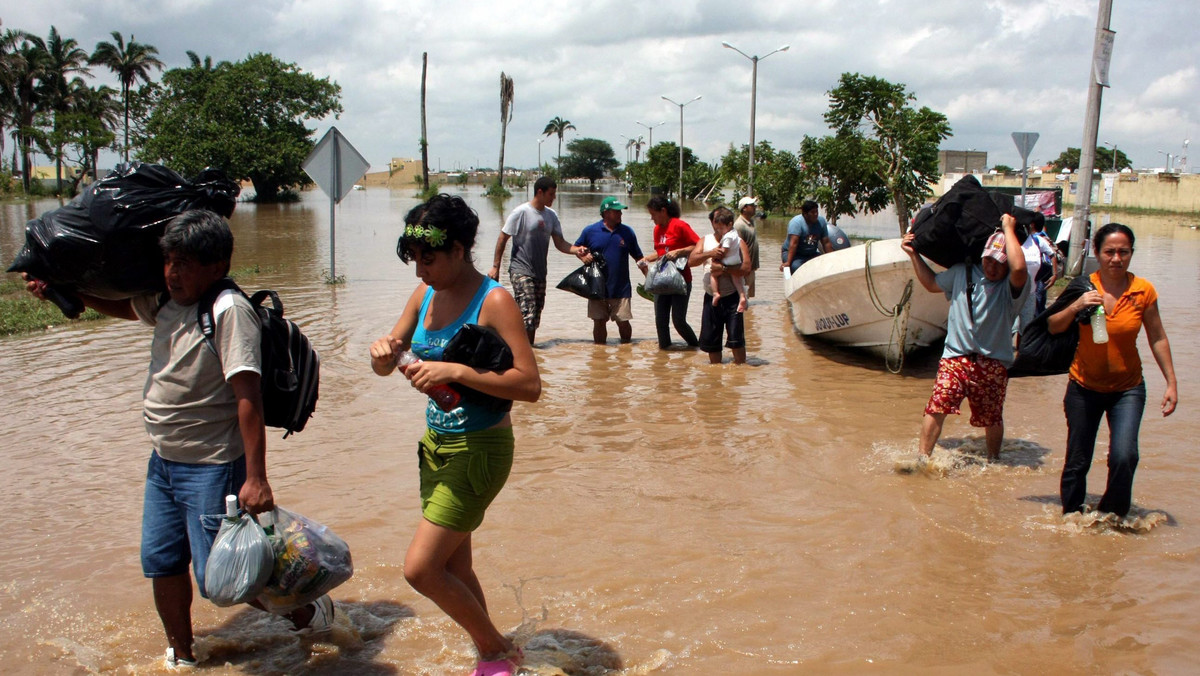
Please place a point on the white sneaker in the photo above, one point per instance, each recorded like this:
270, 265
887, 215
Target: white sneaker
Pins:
173, 663
322, 618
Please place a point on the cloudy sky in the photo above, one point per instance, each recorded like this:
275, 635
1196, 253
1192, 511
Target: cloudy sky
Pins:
991, 66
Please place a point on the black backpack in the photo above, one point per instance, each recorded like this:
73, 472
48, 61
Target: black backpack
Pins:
291, 368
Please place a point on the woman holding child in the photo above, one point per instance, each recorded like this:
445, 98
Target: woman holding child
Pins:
724, 302
467, 452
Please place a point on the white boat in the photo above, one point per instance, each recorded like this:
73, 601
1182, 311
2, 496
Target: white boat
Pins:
866, 296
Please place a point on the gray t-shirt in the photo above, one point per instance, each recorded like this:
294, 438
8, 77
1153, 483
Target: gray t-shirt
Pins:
531, 231
745, 229
188, 405
993, 306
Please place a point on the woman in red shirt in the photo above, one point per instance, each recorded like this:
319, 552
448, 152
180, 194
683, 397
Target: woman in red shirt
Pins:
674, 239
1106, 378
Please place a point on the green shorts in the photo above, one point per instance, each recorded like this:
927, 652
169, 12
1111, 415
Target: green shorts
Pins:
461, 474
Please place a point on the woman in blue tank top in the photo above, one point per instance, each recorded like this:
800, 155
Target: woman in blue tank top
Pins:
467, 452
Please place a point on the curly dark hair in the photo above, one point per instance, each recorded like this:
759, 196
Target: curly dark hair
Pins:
660, 202
436, 225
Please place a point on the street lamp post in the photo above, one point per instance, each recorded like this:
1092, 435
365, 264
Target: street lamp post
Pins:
1169, 158
753, 100
628, 144
650, 128
1114, 147
542, 139
679, 195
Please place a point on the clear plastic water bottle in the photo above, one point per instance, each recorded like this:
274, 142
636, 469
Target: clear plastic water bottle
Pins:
444, 396
1099, 326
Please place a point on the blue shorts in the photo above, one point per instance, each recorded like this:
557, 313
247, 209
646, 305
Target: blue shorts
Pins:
182, 513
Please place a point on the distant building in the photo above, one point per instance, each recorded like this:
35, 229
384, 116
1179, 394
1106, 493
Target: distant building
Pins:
962, 161
403, 172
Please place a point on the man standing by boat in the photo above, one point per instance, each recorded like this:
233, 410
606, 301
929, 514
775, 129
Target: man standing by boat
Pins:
531, 227
617, 243
984, 301
744, 225
807, 238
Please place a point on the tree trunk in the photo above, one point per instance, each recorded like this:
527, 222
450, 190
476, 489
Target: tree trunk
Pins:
901, 206
424, 136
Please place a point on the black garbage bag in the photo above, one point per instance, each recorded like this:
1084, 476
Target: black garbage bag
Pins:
587, 281
1042, 353
104, 243
482, 348
957, 226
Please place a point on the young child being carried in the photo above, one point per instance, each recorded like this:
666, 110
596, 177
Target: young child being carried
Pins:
729, 240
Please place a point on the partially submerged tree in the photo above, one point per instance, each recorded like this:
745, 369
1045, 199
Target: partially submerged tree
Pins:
776, 174
589, 158
1069, 159
904, 139
248, 118
506, 106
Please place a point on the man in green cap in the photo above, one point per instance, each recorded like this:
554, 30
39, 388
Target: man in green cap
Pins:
617, 244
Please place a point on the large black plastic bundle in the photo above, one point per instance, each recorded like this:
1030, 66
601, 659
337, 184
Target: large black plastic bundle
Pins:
104, 243
957, 226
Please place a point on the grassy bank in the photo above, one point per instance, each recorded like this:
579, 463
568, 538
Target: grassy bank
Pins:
22, 313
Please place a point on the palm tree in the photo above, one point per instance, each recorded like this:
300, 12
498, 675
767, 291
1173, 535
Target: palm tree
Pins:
9, 40
130, 62
30, 63
558, 126
65, 58
506, 106
99, 104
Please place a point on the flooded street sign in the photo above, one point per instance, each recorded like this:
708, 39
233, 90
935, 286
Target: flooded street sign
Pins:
1025, 141
335, 166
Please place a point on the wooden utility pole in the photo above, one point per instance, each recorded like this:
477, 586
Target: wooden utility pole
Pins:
1097, 81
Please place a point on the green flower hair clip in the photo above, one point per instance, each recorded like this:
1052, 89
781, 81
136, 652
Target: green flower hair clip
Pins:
435, 236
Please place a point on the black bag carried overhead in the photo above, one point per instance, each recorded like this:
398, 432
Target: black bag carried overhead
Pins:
104, 243
291, 368
957, 226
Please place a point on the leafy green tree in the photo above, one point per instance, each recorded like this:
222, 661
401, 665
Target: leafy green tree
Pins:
589, 158
1069, 159
777, 174
905, 139
131, 62
558, 126
1002, 169
247, 118
843, 174
661, 170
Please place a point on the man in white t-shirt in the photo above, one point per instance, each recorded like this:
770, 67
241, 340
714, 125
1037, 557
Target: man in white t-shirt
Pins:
531, 227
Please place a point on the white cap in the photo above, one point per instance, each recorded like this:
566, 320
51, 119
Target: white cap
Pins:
746, 200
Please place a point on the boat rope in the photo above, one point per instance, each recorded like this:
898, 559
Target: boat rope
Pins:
894, 355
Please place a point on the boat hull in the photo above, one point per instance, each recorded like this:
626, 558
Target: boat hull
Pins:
830, 298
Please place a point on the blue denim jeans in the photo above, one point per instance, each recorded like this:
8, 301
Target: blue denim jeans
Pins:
1084, 409
182, 512
674, 308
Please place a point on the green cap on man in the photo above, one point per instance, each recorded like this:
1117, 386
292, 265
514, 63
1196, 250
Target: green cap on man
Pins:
611, 203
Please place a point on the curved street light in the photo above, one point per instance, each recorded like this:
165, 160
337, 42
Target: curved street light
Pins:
650, 129
679, 195
753, 100
1114, 147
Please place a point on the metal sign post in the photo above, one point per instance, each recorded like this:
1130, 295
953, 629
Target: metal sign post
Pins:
1025, 141
334, 165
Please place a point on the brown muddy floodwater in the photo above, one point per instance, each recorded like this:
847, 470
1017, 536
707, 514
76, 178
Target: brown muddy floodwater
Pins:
663, 515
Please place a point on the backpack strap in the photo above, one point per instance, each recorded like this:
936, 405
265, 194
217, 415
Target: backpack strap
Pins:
204, 308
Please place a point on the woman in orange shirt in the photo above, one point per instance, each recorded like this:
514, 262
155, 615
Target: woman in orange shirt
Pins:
1106, 378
